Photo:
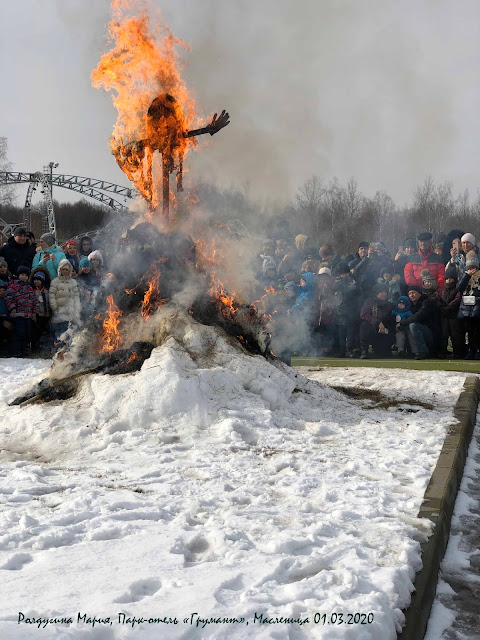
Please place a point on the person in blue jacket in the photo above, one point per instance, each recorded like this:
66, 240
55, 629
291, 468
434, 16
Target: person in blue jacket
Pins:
49, 256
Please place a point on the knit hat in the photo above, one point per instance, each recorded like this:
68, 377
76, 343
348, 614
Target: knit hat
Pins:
406, 301
379, 287
468, 237
428, 280
71, 242
96, 254
39, 275
325, 271
363, 244
471, 259
23, 269
3, 285
410, 243
451, 272
380, 247
48, 238
414, 287
84, 262
3, 262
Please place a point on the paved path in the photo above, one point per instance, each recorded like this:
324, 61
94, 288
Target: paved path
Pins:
456, 610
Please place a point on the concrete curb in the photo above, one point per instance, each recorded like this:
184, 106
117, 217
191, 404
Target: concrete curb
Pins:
437, 506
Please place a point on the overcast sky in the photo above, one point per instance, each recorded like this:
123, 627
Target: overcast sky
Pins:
381, 90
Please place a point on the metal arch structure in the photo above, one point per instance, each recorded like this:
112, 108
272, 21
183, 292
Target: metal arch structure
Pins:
90, 187
48, 220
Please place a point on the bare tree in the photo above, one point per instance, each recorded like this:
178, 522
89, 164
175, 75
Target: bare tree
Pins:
309, 206
7, 193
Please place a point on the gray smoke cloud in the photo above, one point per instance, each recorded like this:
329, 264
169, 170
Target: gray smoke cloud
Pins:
382, 91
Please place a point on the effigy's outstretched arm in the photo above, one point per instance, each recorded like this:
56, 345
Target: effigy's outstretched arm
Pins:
215, 125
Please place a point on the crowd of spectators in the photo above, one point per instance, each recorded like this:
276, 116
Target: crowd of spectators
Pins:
44, 290
317, 301
418, 303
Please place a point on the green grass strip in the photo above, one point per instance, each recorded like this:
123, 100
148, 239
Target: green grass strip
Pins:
471, 366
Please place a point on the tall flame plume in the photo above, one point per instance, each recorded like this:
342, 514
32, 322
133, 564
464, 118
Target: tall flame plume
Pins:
143, 64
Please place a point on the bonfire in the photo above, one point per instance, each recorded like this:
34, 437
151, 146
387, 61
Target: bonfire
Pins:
151, 267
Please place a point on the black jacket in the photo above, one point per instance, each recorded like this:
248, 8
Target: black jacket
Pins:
425, 311
17, 255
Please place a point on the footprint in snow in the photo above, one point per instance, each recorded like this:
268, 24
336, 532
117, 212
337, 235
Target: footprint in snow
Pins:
17, 562
139, 590
227, 593
198, 550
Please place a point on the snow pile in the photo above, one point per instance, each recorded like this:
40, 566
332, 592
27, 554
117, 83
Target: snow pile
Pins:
213, 483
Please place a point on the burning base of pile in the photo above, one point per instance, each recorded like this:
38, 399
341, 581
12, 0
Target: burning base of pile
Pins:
169, 322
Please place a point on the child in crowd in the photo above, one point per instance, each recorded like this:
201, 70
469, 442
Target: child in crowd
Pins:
96, 261
71, 254
4, 272
64, 300
41, 325
402, 310
22, 305
392, 281
5, 324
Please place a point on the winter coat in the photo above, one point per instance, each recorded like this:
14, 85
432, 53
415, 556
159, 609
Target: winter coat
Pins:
42, 296
3, 309
51, 265
450, 298
88, 281
375, 311
469, 285
325, 297
345, 294
306, 296
458, 262
425, 312
64, 297
17, 255
20, 299
419, 261
405, 313
74, 261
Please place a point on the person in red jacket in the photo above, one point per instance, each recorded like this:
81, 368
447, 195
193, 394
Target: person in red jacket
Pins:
424, 259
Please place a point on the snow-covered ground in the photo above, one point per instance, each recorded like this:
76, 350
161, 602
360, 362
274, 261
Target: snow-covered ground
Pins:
455, 610
214, 485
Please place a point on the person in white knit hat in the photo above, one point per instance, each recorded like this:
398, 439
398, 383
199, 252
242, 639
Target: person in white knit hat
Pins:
468, 243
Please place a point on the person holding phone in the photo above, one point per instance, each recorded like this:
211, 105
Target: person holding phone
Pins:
457, 257
49, 255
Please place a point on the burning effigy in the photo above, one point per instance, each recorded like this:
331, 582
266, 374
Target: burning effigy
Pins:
161, 273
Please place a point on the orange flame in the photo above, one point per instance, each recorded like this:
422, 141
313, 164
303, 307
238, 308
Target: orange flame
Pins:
133, 357
142, 71
110, 337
